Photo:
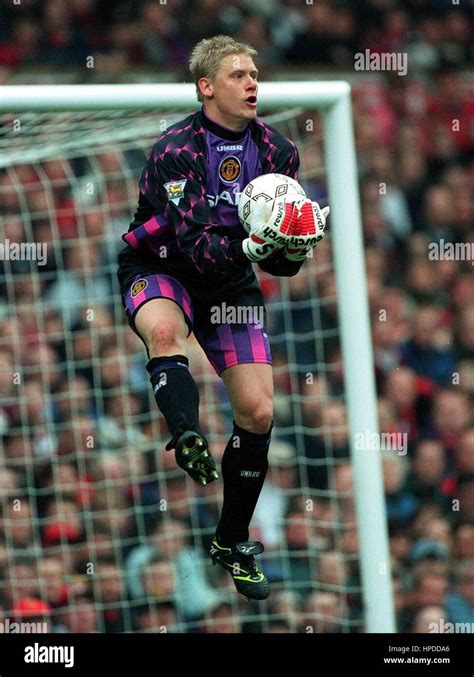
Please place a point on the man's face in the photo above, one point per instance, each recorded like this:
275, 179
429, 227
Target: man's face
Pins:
231, 98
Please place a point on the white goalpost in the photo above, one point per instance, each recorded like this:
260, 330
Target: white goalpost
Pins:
332, 99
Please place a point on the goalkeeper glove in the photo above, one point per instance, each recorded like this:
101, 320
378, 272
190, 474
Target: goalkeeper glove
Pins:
267, 236
313, 218
256, 249
297, 253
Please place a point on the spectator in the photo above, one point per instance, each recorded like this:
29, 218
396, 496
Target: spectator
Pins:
325, 612
401, 503
428, 468
168, 541
111, 594
428, 619
420, 352
460, 602
222, 620
81, 615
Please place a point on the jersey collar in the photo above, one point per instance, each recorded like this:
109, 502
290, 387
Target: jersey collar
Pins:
219, 130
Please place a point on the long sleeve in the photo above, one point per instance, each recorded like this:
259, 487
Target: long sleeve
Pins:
174, 183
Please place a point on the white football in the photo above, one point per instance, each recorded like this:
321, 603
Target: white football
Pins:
266, 188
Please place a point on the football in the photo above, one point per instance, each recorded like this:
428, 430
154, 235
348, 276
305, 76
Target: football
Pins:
266, 188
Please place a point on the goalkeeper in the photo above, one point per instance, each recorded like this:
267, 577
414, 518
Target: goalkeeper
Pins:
186, 252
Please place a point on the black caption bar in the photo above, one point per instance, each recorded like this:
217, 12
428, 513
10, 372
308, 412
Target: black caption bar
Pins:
69, 654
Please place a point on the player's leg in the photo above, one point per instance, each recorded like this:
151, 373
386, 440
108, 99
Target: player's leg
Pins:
244, 466
160, 311
162, 326
250, 390
245, 463
240, 354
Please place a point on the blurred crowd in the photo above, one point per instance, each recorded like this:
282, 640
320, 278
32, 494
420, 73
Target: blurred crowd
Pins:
99, 531
158, 34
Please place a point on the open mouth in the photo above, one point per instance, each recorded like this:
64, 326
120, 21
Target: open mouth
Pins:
251, 99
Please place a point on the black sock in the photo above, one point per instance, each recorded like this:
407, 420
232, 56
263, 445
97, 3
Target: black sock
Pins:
244, 466
175, 391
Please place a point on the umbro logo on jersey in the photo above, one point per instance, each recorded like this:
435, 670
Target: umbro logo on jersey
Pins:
223, 148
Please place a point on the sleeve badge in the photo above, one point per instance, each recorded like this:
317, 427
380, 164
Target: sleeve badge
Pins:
175, 190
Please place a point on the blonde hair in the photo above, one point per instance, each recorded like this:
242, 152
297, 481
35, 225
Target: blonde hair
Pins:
207, 55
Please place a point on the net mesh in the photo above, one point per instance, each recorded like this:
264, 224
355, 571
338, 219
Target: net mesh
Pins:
100, 531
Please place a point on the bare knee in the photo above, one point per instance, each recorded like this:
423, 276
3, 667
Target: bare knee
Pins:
165, 339
256, 416
161, 324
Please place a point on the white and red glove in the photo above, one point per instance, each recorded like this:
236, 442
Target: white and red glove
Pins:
256, 249
312, 217
268, 235
294, 226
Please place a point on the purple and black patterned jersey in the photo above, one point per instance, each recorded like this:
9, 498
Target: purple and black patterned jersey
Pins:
187, 221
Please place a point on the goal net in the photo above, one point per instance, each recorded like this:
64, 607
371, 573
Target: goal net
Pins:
98, 525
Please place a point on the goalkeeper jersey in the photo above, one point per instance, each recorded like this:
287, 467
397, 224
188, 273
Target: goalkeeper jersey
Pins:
187, 223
